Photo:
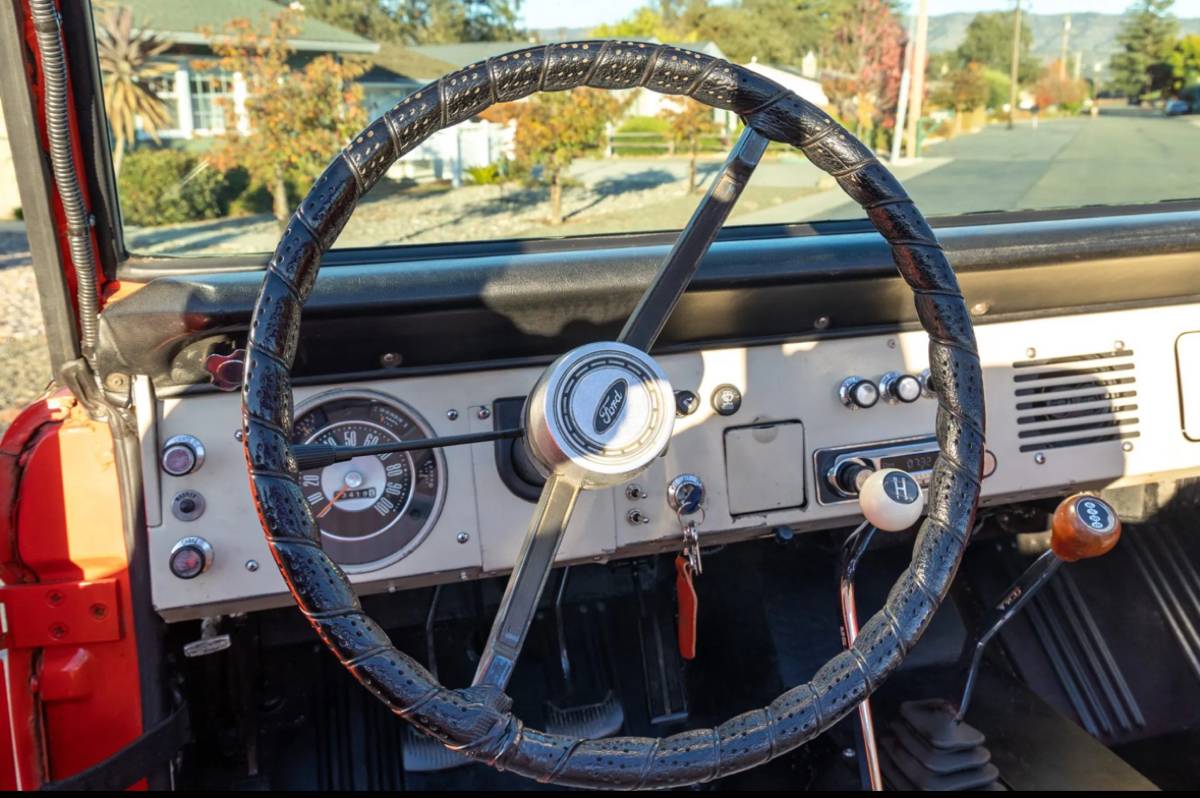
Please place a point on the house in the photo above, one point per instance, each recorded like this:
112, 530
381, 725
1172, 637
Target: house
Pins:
806, 87
398, 71
196, 97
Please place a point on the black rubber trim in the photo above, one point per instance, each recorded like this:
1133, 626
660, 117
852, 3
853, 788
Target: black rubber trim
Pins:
488, 309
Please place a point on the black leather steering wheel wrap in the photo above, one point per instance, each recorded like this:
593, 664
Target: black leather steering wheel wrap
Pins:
477, 721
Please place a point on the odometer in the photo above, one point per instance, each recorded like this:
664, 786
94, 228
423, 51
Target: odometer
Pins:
374, 509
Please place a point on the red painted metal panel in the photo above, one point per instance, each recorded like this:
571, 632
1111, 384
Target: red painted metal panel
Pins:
72, 694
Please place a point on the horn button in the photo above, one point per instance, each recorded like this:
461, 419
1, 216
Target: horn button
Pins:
599, 414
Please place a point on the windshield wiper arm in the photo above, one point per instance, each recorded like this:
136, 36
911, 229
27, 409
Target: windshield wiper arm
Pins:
317, 455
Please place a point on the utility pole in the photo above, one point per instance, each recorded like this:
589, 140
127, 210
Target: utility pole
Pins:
917, 89
1016, 59
1066, 43
902, 99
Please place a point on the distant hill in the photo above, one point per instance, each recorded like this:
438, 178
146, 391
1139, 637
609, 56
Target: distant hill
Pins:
1095, 35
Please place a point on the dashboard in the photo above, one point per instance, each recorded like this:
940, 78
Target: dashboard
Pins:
770, 431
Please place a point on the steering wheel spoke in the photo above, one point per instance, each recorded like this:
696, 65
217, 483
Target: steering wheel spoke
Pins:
525, 585
677, 269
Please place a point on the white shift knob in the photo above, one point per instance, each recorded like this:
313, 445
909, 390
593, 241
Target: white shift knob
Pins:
891, 500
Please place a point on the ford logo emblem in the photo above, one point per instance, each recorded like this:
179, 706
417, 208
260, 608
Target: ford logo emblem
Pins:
610, 407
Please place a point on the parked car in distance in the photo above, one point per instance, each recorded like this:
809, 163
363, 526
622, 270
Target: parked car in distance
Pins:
1177, 107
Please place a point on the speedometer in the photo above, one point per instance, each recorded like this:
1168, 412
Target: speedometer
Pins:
374, 509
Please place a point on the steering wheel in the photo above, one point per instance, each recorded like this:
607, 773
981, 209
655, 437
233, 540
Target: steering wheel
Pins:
599, 415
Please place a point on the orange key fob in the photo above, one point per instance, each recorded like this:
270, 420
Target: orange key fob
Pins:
686, 594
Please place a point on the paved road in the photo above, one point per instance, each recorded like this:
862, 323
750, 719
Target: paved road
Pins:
1121, 157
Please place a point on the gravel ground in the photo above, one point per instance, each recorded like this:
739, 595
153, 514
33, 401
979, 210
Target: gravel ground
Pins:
429, 214
24, 362
602, 197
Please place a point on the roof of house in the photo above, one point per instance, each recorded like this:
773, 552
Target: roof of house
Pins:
464, 53
395, 63
182, 21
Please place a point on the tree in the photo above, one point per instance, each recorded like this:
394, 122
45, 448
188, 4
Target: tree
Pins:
129, 65
964, 89
989, 42
773, 31
1185, 63
1146, 38
299, 116
864, 56
420, 21
373, 19
643, 23
555, 128
1055, 87
688, 121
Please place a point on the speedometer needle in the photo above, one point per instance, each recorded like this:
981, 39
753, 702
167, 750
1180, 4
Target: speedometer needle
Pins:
316, 455
341, 492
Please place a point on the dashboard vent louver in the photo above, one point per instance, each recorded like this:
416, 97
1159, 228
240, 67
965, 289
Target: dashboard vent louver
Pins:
1076, 400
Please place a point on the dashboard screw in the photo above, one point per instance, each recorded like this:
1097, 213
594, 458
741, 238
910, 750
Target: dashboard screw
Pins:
58, 631
1118, 345
390, 359
54, 598
1127, 446
98, 611
1031, 353
1039, 458
251, 565
980, 308
238, 435
891, 343
484, 413
462, 537
452, 414
822, 323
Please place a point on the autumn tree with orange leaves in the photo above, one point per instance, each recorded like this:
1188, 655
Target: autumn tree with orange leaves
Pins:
555, 128
865, 50
298, 116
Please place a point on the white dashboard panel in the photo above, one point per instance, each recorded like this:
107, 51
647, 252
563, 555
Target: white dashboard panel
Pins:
482, 523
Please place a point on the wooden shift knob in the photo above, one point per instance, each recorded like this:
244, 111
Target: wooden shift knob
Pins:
1083, 527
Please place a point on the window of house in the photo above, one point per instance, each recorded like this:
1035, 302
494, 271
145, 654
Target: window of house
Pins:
164, 88
212, 99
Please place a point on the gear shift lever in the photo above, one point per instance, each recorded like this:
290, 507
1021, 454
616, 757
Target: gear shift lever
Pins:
930, 746
890, 500
1083, 527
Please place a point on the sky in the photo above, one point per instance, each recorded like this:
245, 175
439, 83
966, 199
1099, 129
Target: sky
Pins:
587, 13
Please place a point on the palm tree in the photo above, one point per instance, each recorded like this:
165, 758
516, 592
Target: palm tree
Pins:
128, 61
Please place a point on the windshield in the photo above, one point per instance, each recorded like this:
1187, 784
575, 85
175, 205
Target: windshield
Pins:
221, 113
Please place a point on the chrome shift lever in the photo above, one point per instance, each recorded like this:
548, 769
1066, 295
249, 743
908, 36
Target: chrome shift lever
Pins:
890, 500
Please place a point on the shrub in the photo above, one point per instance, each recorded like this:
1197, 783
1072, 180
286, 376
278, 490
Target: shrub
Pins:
489, 175
168, 187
